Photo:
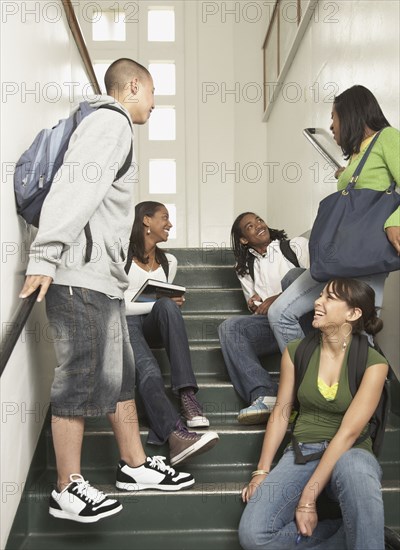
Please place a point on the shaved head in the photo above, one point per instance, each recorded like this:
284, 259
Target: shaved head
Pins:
122, 71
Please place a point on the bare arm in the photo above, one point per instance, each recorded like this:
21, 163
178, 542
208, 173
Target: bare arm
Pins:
277, 424
356, 418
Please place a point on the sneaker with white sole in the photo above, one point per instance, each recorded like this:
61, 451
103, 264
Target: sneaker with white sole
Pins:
81, 502
184, 444
153, 474
258, 411
192, 411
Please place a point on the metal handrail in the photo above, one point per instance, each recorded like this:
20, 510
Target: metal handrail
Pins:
309, 133
16, 325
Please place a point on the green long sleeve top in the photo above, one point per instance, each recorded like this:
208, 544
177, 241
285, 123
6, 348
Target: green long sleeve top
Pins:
381, 167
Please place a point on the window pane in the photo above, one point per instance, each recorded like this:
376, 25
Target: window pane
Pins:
161, 25
164, 78
109, 25
162, 124
172, 218
162, 176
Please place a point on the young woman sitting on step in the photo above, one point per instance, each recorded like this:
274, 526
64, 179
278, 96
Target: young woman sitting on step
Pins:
281, 500
160, 324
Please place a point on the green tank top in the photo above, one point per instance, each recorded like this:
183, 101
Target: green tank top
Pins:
320, 419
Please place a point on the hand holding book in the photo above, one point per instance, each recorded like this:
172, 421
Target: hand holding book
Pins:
151, 290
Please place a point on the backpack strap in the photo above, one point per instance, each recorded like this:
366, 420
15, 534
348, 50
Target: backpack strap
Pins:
165, 265
302, 358
250, 264
288, 252
128, 161
121, 173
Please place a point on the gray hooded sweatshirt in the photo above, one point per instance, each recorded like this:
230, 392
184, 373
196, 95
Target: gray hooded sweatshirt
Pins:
84, 191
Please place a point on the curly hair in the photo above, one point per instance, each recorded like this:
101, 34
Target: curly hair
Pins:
241, 251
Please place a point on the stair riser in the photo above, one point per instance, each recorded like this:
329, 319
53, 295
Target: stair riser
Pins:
217, 277
215, 300
209, 360
211, 507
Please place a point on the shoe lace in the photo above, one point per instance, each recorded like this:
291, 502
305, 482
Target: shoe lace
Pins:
158, 463
89, 493
183, 432
190, 404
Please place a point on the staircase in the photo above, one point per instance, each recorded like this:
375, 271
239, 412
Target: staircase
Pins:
207, 515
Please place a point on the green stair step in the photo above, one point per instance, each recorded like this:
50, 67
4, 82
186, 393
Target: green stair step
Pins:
222, 539
224, 300
205, 257
213, 277
207, 359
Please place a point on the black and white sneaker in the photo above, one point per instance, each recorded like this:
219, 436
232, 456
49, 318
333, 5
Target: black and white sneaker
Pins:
81, 502
153, 474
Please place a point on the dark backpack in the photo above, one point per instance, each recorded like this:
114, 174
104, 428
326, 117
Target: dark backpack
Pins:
37, 166
357, 361
286, 250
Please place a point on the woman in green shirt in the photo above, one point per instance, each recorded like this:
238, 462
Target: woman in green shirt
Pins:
356, 118
281, 503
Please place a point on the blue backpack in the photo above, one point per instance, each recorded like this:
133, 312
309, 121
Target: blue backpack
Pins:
37, 166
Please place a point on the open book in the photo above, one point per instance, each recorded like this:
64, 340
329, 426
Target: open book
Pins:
151, 290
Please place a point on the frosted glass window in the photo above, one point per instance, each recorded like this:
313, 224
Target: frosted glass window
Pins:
162, 124
172, 218
161, 25
108, 26
164, 78
162, 176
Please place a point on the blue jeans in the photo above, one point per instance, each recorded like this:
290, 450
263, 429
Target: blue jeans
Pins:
268, 520
162, 327
299, 299
244, 339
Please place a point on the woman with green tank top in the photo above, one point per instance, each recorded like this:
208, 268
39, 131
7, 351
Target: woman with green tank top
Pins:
281, 501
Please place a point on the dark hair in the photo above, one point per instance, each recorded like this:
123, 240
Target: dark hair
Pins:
240, 251
121, 71
357, 108
358, 294
136, 242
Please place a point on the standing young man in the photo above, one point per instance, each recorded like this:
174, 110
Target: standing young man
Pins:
85, 299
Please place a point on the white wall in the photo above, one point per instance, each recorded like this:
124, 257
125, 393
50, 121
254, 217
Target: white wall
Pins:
231, 139
346, 43
38, 55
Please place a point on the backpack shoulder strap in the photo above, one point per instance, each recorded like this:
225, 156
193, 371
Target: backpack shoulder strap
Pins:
128, 161
357, 361
288, 252
165, 265
250, 264
302, 358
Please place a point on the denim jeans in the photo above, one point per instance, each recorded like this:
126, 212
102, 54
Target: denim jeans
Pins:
299, 299
244, 339
268, 520
95, 365
162, 327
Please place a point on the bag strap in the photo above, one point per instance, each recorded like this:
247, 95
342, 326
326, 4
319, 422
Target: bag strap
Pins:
363, 160
121, 172
288, 252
